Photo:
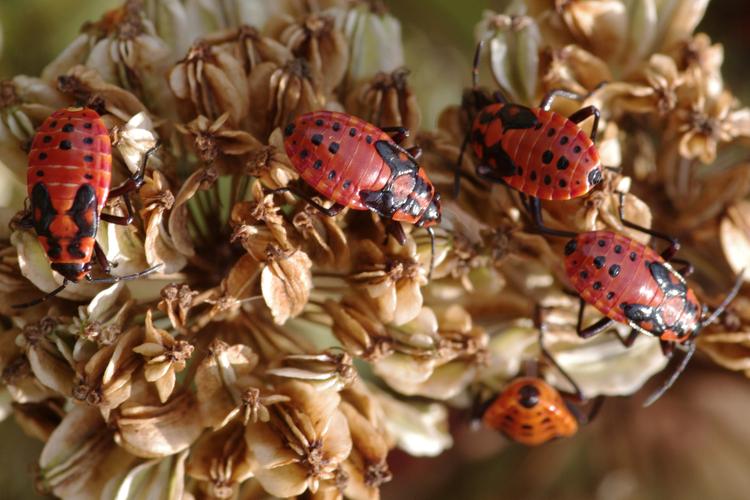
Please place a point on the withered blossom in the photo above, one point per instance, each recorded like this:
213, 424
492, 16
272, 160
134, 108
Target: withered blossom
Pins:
282, 352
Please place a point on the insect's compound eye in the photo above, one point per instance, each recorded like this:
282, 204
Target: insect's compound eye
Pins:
528, 396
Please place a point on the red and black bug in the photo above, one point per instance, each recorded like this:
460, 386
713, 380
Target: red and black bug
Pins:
358, 165
70, 165
631, 283
535, 151
530, 411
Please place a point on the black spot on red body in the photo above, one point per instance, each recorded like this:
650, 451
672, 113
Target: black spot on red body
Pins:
331, 175
42, 155
551, 132
40, 173
599, 261
518, 117
610, 295
352, 132
336, 126
87, 125
88, 176
47, 139
584, 275
633, 256
304, 154
316, 139
597, 285
529, 396
68, 127
88, 158
547, 180
564, 140
347, 184
601, 243
562, 183
288, 130
533, 175
571, 246
88, 140
547, 157
318, 164
368, 139
618, 248
576, 149
614, 270
333, 148
53, 124
319, 122
562, 163
65, 145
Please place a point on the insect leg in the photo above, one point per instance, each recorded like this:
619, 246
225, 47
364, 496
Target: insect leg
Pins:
679, 368
136, 181
331, 211
415, 152
674, 244
687, 268
120, 220
102, 259
535, 207
591, 330
398, 134
538, 320
552, 94
585, 113
43, 298
431, 232
395, 229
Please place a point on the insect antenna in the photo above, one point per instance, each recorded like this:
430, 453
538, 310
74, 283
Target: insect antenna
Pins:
673, 377
43, 298
727, 300
431, 232
127, 277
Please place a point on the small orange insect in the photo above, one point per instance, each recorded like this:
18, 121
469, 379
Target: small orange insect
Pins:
531, 412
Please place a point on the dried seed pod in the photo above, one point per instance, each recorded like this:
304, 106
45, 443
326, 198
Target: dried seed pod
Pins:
220, 460
165, 356
734, 231
81, 456
386, 100
219, 145
316, 39
513, 54
304, 442
285, 283
158, 431
211, 82
281, 92
329, 369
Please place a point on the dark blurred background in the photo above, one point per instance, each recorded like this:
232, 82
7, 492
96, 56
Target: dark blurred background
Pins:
693, 444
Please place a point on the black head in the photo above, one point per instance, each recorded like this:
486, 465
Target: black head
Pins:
432, 213
74, 272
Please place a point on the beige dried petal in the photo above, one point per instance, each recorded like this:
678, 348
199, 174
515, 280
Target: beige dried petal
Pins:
360, 332
158, 431
575, 69
38, 420
81, 456
86, 84
331, 369
160, 478
221, 460
179, 218
286, 282
734, 231
51, 366
317, 40
22, 385
221, 380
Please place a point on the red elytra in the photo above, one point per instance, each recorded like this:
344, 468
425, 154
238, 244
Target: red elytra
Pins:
70, 166
630, 283
531, 412
357, 165
69, 174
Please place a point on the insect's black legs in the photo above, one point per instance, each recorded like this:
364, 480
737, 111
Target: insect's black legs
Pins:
591, 330
398, 134
539, 321
585, 113
136, 181
122, 220
678, 369
101, 258
43, 298
674, 244
535, 207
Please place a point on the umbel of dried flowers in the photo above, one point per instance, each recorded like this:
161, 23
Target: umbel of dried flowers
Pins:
232, 371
